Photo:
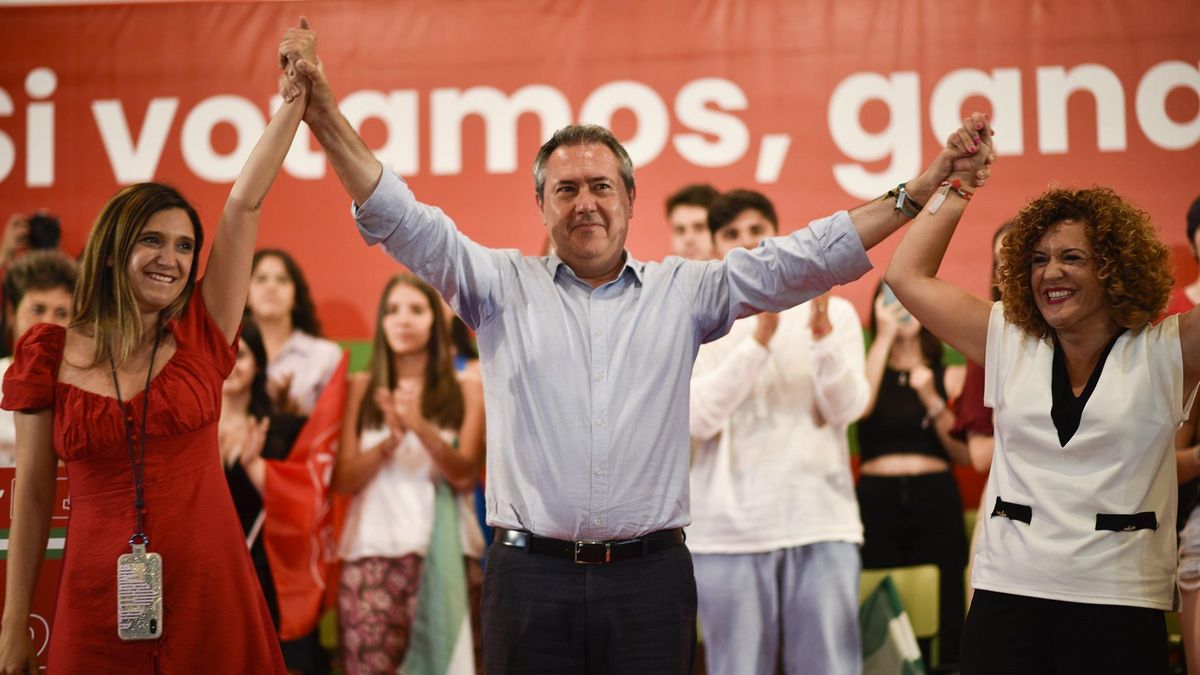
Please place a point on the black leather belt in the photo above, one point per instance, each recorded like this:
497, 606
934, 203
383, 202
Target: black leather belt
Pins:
586, 552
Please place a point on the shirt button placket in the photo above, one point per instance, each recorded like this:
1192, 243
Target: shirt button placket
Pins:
600, 427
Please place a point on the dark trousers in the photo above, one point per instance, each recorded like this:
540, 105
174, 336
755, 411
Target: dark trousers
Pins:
1017, 634
917, 520
543, 614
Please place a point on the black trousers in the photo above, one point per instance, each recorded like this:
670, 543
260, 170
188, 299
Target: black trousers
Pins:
1017, 634
543, 614
918, 520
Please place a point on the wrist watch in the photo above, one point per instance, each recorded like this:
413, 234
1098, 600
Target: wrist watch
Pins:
904, 203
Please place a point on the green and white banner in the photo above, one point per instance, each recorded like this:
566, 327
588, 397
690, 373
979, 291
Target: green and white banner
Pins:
888, 643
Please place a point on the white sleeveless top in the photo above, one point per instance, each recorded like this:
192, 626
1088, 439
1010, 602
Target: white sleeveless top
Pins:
392, 515
1120, 461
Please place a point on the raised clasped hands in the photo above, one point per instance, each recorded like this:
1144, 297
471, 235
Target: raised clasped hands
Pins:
972, 145
966, 156
303, 71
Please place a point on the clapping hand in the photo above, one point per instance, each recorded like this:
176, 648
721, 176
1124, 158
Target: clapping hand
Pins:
764, 330
254, 439
920, 380
407, 400
387, 406
819, 319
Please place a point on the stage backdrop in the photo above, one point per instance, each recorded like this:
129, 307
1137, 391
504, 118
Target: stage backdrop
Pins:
821, 104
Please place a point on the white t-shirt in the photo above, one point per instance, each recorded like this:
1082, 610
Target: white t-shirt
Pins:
1121, 461
392, 515
771, 467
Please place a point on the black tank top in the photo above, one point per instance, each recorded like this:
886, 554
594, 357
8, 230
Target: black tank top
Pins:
895, 424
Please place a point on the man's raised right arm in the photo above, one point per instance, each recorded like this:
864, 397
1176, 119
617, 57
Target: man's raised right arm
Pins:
352, 161
419, 236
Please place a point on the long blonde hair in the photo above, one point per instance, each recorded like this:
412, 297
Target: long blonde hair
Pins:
105, 307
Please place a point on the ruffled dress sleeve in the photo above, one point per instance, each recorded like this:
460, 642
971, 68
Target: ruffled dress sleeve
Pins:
29, 382
196, 330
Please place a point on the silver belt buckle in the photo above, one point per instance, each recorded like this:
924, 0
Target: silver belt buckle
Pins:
579, 547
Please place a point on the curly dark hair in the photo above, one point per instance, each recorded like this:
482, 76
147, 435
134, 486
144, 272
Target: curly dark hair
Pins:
1132, 264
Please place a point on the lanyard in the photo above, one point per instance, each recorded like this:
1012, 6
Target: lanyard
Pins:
137, 460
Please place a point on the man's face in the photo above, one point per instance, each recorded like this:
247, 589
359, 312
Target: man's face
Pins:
586, 209
690, 237
747, 230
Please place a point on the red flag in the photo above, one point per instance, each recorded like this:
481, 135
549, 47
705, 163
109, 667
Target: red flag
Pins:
299, 529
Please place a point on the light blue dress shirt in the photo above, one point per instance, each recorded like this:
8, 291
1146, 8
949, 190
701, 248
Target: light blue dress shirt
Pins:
586, 388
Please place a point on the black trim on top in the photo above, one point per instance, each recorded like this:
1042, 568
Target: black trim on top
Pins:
1067, 409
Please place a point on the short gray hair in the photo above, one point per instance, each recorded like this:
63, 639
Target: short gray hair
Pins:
581, 134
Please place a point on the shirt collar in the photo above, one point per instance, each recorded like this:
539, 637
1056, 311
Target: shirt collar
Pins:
632, 265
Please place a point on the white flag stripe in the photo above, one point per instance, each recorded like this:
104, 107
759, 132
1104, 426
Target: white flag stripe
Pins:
52, 544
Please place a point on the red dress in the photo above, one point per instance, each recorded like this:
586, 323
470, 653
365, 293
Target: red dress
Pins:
214, 616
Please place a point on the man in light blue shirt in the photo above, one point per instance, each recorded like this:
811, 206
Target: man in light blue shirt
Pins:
587, 356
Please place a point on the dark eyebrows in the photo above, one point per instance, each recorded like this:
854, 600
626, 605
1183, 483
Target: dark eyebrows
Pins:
589, 180
162, 235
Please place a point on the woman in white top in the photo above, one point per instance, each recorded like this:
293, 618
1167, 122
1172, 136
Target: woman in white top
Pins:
1076, 561
300, 362
411, 423
37, 289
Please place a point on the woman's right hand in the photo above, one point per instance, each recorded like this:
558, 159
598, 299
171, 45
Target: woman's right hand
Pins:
14, 238
764, 330
17, 653
387, 406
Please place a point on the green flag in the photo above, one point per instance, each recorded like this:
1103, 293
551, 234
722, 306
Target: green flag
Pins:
441, 642
888, 644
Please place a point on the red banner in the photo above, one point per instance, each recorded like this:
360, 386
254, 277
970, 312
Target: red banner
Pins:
820, 104
42, 614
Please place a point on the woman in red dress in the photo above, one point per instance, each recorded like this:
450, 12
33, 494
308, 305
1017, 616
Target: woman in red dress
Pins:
128, 396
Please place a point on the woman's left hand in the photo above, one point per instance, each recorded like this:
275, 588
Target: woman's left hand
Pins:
920, 379
407, 401
254, 439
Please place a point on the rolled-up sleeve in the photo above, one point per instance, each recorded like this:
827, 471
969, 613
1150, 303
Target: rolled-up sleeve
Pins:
781, 273
424, 239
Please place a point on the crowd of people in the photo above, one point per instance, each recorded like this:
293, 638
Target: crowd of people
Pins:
667, 443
